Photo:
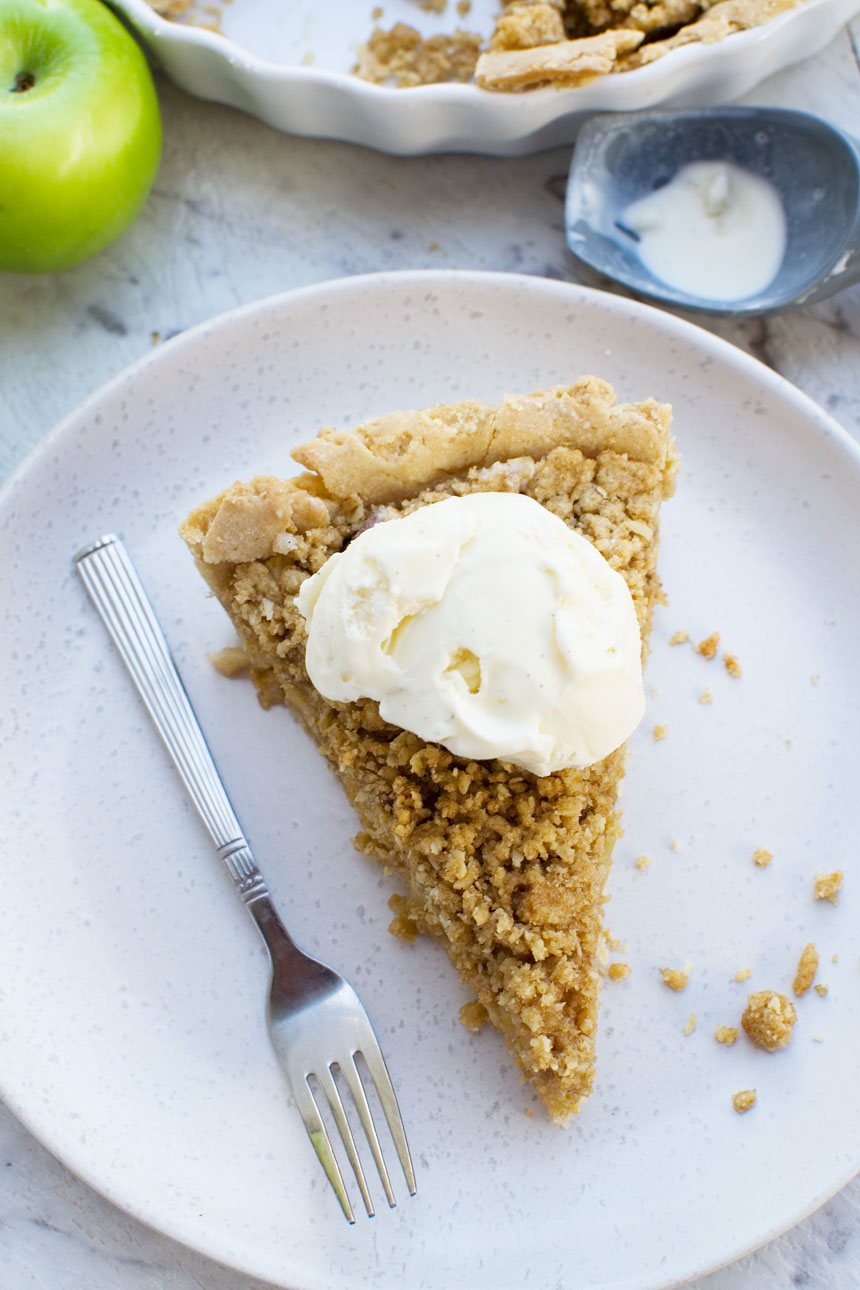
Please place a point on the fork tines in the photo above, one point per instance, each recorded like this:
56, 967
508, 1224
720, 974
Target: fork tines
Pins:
312, 1110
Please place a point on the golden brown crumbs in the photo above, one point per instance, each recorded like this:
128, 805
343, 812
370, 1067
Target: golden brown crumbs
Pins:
762, 857
679, 638
706, 696
828, 886
743, 974
403, 925
690, 1024
821, 990
155, 337
474, 1015
676, 978
709, 646
402, 56
434, 6
642, 862
726, 1035
806, 968
744, 1100
229, 661
618, 971
674, 845
464, 7
732, 665
660, 732
376, 13
768, 1019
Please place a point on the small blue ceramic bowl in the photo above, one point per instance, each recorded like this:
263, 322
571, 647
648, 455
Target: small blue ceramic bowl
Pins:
621, 157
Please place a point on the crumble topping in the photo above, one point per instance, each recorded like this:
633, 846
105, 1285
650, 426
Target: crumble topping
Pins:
507, 869
660, 732
690, 1024
768, 1019
744, 1100
726, 1035
762, 857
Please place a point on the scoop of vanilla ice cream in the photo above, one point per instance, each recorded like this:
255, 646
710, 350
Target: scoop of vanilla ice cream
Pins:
485, 624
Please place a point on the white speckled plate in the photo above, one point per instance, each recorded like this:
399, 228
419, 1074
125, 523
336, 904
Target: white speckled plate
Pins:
290, 64
131, 982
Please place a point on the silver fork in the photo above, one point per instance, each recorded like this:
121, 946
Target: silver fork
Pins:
317, 1023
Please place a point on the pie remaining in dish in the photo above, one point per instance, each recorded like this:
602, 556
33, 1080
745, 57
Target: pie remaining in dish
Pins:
506, 869
564, 43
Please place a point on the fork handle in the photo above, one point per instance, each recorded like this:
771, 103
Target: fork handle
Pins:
117, 592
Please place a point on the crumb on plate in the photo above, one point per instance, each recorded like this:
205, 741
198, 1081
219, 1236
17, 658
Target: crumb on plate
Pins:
806, 968
733, 667
828, 886
768, 1019
709, 646
676, 978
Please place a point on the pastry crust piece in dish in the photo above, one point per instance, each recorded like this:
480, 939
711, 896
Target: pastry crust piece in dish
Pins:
507, 870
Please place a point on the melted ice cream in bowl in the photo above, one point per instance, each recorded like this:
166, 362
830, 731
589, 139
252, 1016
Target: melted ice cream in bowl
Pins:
735, 210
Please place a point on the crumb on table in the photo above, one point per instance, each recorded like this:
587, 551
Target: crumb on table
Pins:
642, 862
676, 978
706, 696
821, 990
679, 638
828, 886
743, 974
806, 968
762, 857
660, 732
618, 971
743, 1100
768, 1019
691, 1023
726, 1035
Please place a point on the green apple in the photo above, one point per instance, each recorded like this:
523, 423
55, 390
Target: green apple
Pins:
80, 132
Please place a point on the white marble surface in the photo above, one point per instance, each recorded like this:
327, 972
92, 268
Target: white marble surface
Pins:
240, 212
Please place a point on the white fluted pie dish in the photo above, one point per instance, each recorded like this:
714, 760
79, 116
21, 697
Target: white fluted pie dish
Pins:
290, 65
